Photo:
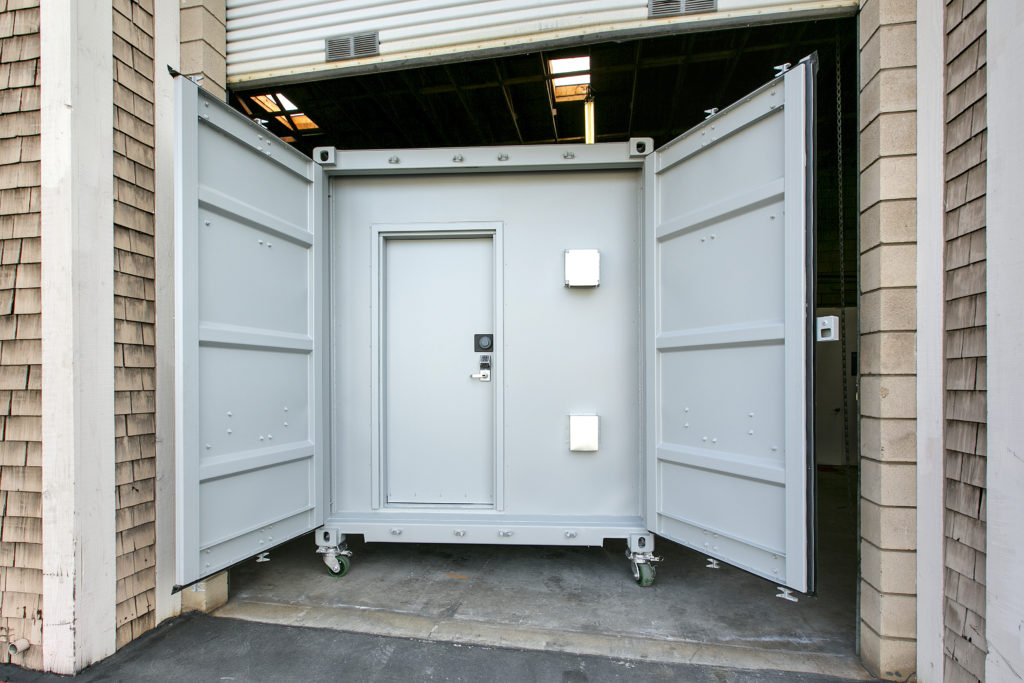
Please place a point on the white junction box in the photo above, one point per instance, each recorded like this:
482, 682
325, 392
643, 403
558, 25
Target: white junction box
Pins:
583, 432
582, 267
828, 328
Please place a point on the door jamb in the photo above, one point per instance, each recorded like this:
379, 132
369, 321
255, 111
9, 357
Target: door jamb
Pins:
460, 229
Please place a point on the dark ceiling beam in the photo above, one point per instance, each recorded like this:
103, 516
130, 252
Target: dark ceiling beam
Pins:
636, 79
427, 106
508, 100
396, 123
686, 48
465, 105
781, 51
730, 69
548, 89
354, 122
650, 63
600, 137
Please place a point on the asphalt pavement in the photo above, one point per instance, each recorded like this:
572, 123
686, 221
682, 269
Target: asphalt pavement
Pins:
197, 647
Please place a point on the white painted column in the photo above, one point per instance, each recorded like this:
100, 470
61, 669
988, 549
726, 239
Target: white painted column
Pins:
166, 54
930, 335
1004, 623
79, 568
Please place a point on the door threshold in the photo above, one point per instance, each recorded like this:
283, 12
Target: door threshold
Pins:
393, 623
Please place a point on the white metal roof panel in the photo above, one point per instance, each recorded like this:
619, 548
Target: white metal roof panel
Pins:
285, 39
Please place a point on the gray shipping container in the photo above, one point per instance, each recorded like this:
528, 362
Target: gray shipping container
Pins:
554, 344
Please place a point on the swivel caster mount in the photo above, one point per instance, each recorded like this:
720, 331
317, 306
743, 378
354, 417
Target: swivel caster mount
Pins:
640, 552
330, 544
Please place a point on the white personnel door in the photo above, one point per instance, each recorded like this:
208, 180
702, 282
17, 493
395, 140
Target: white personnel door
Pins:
439, 421
249, 270
727, 235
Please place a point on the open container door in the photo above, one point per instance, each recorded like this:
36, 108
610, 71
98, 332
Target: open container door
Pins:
727, 232
250, 279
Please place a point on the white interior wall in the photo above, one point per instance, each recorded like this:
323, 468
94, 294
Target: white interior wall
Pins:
564, 350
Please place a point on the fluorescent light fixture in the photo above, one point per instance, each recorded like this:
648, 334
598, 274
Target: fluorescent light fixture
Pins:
588, 120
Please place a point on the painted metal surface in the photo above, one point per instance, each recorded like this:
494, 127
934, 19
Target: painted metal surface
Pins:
250, 267
833, 444
282, 39
726, 226
438, 420
563, 351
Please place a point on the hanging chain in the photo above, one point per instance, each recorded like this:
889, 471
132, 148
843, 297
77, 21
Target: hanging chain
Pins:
842, 256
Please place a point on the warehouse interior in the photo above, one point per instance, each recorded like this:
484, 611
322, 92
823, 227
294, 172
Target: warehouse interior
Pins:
581, 598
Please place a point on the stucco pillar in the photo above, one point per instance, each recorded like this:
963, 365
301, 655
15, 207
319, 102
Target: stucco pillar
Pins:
204, 43
888, 323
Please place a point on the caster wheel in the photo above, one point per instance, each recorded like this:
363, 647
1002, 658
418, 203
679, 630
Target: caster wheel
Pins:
643, 573
337, 565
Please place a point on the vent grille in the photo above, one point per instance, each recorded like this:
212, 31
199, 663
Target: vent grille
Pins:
352, 46
671, 8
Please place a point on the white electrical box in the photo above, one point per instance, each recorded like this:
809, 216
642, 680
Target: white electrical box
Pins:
582, 267
828, 328
583, 432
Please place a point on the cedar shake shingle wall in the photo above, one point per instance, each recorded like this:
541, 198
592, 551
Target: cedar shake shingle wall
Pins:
134, 318
965, 347
21, 576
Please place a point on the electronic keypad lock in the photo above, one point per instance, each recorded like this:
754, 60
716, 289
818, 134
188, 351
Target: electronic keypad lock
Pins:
485, 368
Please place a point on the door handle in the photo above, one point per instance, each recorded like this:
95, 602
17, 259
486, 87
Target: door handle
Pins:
485, 369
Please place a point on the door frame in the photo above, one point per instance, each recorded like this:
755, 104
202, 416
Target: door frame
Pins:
431, 230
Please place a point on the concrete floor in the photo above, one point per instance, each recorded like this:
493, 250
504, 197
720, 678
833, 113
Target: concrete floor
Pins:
574, 600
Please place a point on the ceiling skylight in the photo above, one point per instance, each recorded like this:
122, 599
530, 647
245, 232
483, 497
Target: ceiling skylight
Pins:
285, 111
576, 84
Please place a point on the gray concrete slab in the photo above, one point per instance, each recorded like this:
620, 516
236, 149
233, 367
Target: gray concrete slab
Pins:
573, 600
199, 648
